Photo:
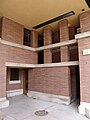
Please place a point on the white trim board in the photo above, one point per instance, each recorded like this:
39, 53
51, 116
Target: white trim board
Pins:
82, 35
50, 97
14, 92
15, 82
16, 45
64, 43
20, 65
60, 64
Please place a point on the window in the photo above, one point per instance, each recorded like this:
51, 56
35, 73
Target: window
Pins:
56, 55
40, 57
27, 37
14, 76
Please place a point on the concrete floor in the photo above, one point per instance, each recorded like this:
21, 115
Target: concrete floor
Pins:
23, 108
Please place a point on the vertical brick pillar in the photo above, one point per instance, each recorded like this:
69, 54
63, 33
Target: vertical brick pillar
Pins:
85, 21
84, 64
64, 35
34, 43
34, 38
47, 41
3, 101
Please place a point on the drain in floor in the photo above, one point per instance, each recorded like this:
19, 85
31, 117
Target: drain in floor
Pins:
41, 113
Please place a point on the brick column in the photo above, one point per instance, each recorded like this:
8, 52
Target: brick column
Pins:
34, 38
47, 41
84, 64
85, 21
3, 101
64, 35
34, 43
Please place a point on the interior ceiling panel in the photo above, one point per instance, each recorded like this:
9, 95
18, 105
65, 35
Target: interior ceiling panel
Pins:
33, 12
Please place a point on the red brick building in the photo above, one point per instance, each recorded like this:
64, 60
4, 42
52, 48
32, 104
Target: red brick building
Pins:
54, 68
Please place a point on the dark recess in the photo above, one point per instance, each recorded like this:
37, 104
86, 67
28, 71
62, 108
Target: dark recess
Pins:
54, 19
88, 3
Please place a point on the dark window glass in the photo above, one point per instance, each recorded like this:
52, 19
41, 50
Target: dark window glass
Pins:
14, 74
55, 55
40, 57
27, 37
40, 40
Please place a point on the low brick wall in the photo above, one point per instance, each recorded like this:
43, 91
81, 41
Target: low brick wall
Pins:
54, 80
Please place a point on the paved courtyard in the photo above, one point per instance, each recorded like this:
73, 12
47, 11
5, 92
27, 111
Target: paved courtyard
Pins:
23, 108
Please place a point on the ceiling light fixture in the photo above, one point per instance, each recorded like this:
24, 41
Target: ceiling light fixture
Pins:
54, 19
88, 3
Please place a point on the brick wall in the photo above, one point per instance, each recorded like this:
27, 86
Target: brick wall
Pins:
85, 21
12, 54
16, 55
12, 31
52, 80
84, 65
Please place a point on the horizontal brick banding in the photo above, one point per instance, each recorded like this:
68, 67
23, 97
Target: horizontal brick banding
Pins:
52, 80
84, 64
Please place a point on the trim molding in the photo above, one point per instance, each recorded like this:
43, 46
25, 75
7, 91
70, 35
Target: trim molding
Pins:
82, 35
60, 64
16, 45
14, 92
11, 64
49, 97
15, 82
64, 43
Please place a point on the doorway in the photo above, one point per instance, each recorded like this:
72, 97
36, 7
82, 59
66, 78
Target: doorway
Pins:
25, 81
75, 83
